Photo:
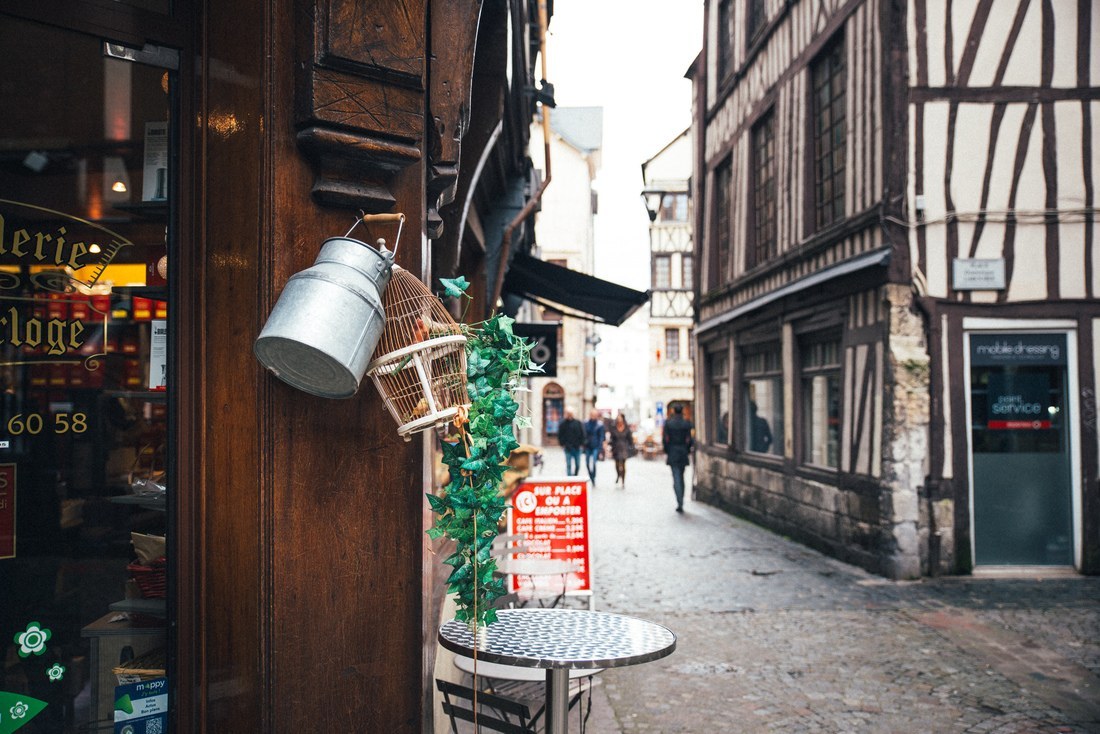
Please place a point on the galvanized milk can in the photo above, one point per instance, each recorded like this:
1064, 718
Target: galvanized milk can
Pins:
329, 318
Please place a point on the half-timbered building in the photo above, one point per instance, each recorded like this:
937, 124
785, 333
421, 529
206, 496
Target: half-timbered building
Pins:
666, 177
897, 315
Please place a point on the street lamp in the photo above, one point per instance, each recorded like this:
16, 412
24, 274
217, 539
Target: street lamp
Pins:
653, 199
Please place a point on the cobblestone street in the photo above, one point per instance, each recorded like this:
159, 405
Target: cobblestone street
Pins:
773, 636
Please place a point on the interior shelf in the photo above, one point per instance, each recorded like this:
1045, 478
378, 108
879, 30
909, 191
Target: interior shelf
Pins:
150, 503
154, 607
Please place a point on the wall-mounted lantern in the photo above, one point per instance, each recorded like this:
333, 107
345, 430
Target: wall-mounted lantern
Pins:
653, 200
327, 322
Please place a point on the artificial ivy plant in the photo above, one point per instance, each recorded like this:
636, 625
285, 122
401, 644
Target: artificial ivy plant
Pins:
469, 508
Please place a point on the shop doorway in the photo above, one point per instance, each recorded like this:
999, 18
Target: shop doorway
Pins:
553, 410
1021, 453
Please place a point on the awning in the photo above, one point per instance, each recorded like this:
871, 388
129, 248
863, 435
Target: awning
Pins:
542, 282
867, 260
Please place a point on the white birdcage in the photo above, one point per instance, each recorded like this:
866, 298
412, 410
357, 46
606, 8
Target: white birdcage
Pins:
419, 366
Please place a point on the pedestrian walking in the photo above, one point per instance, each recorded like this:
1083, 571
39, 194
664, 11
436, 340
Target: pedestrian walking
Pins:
621, 440
594, 436
678, 440
571, 438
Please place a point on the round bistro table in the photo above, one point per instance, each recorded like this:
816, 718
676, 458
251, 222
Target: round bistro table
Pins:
560, 640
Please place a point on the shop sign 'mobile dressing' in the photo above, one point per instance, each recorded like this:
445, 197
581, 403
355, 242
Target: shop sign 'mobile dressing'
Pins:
1018, 399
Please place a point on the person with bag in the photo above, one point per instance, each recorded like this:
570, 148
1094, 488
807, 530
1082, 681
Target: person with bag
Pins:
621, 440
678, 438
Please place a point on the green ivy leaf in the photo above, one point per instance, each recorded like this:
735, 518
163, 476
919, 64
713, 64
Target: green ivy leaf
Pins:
455, 286
496, 362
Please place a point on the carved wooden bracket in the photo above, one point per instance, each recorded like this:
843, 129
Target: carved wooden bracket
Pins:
360, 97
454, 43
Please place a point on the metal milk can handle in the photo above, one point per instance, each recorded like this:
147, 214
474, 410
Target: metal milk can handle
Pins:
367, 218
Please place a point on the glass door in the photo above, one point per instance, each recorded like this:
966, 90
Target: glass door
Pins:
86, 171
1021, 461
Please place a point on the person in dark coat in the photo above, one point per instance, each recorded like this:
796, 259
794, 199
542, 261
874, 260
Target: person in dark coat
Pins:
595, 433
571, 438
678, 438
621, 440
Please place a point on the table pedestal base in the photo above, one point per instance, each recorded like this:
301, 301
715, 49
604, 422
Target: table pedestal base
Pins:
557, 701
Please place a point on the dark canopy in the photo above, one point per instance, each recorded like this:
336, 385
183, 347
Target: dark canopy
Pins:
541, 281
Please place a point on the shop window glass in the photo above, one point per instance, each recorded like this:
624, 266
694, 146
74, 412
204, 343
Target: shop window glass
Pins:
820, 388
85, 460
762, 393
718, 397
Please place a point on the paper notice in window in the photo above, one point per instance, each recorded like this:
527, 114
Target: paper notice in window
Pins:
154, 184
158, 356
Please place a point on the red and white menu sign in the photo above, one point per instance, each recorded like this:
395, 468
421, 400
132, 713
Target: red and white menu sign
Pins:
7, 510
553, 515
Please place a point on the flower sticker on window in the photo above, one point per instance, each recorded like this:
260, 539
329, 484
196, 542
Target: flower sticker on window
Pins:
56, 673
17, 710
33, 641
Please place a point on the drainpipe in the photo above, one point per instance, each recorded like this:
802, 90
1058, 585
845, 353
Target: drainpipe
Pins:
506, 240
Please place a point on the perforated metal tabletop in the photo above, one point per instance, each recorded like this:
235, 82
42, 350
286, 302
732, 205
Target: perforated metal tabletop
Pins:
562, 638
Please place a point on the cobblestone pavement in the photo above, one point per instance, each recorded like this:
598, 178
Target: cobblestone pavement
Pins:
773, 636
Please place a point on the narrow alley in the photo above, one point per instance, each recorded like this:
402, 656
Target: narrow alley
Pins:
773, 636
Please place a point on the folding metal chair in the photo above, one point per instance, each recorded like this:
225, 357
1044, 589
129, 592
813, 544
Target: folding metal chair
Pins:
494, 713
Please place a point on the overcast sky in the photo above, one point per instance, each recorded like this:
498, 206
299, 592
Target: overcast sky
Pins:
628, 57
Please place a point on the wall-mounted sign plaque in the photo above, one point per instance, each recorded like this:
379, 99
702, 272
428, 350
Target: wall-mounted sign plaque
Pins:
973, 274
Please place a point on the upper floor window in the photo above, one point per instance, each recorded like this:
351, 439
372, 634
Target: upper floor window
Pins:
762, 245
662, 271
674, 208
755, 15
672, 345
829, 133
687, 264
725, 39
720, 252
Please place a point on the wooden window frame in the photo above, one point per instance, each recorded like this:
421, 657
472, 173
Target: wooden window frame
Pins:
763, 203
756, 17
723, 224
666, 261
810, 345
714, 386
724, 43
828, 92
771, 354
672, 337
